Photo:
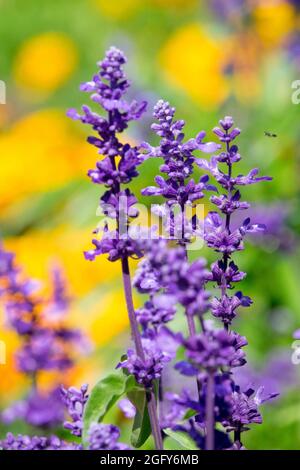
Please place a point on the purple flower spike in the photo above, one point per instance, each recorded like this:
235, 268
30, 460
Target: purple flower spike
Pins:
107, 89
178, 158
75, 401
21, 442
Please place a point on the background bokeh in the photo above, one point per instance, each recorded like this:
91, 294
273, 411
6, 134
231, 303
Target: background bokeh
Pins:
208, 59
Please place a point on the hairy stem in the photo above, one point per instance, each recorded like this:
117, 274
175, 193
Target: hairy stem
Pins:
151, 400
237, 437
192, 328
152, 410
209, 411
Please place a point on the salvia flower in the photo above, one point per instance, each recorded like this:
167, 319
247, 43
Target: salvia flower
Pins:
23, 442
245, 408
105, 437
107, 89
152, 315
75, 400
145, 370
179, 188
39, 409
214, 349
218, 232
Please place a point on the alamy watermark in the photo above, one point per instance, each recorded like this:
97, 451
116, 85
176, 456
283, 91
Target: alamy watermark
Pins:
296, 94
295, 358
2, 92
140, 222
2, 353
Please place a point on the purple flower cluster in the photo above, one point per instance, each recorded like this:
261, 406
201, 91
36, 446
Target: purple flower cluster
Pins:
245, 409
218, 233
74, 401
23, 442
100, 436
213, 350
147, 369
42, 410
120, 160
118, 166
166, 273
179, 188
105, 437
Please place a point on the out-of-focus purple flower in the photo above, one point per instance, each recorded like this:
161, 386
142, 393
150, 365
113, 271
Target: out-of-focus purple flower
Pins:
296, 334
159, 268
38, 409
276, 375
23, 442
187, 286
277, 234
167, 269
75, 400
7, 266
60, 301
41, 352
153, 316
292, 46
45, 345
105, 437
127, 408
230, 9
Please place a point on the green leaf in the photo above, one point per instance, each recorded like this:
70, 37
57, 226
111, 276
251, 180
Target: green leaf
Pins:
182, 438
103, 396
141, 428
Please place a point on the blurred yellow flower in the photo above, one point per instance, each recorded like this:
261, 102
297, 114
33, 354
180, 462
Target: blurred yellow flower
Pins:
108, 318
117, 9
39, 152
274, 19
175, 3
194, 61
37, 250
45, 62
